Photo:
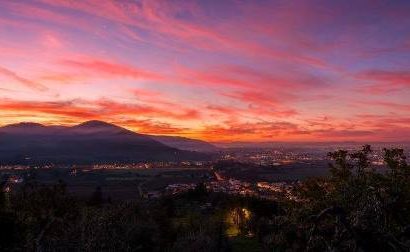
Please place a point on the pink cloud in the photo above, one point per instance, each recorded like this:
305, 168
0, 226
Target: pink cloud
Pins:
385, 81
161, 19
107, 68
231, 70
387, 104
21, 80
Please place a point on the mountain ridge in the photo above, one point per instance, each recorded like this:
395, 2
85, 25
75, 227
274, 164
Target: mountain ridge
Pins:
88, 142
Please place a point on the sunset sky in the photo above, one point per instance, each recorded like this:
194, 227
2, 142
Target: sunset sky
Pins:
218, 70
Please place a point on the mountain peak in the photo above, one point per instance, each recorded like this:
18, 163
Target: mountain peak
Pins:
96, 124
28, 128
25, 125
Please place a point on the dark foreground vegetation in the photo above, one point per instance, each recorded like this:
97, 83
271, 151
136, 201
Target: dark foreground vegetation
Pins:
355, 209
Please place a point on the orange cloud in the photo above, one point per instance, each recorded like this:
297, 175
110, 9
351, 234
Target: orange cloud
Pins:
234, 70
94, 109
153, 127
235, 131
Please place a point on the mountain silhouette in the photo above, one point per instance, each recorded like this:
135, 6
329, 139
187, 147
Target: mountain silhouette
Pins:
86, 143
184, 143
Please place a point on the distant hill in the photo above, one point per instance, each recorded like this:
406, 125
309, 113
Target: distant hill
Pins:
184, 143
89, 142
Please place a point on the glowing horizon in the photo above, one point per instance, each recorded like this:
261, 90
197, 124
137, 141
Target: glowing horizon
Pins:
214, 70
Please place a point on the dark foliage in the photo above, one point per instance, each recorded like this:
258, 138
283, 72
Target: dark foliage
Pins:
355, 209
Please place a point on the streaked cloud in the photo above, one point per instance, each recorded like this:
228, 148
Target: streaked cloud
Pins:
216, 70
21, 80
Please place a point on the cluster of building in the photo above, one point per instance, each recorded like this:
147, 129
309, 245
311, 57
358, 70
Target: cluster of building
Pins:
272, 190
25, 167
231, 186
237, 187
109, 166
276, 157
271, 157
149, 165
266, 190
174, 189
12, 181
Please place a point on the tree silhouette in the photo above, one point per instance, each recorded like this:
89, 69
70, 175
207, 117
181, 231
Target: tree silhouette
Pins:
96, 199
